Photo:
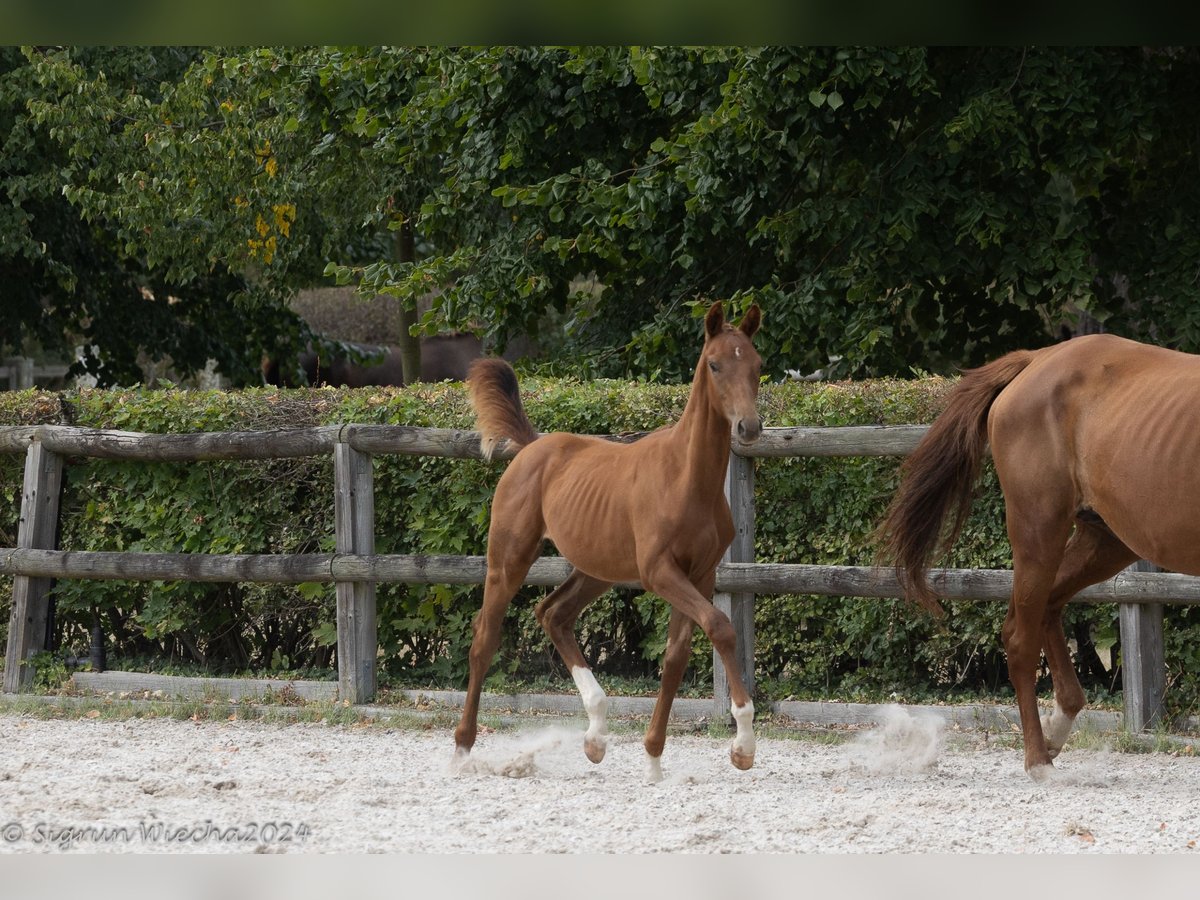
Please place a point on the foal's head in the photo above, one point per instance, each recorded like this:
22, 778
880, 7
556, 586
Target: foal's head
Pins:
732, 367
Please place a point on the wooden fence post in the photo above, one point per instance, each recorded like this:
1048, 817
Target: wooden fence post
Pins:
31, 595
1143, 664
354, 524
739, 490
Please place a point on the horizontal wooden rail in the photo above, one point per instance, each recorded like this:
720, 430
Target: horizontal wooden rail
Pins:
845, 440
549, 571
318, 440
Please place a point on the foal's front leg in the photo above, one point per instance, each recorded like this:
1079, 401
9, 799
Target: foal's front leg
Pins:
670, 583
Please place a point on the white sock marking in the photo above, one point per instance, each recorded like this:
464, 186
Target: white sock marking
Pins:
654, 773
743, 741
594, 701
1057, 728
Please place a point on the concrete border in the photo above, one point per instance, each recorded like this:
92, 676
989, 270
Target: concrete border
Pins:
968, 717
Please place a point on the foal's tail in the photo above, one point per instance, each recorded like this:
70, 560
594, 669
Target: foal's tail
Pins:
938, 478
492, 386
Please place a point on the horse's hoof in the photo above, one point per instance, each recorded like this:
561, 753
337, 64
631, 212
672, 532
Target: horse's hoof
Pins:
741, 760
461, 755
594, 749
654, 772
1042, 773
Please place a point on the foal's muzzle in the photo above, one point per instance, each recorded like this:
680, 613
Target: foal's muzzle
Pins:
749, 430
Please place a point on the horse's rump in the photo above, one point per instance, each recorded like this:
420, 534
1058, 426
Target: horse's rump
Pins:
1116, 421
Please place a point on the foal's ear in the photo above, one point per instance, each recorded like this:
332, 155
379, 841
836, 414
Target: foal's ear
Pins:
714, 322
752, 320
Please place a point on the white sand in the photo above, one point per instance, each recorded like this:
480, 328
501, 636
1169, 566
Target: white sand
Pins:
159, 785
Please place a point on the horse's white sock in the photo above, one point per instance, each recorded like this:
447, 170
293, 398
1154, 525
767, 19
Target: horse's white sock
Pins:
743, 741
1057, 728
654, 772
594, 702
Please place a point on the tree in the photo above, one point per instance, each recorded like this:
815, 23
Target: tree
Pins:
256, 163
72, 282
890, 208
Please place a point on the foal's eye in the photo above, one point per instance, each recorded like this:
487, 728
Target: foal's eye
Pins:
714, 367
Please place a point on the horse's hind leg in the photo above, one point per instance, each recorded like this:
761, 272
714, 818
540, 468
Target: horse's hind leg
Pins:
675, 660
1093, 554
511, 551
557, 614
1039, 539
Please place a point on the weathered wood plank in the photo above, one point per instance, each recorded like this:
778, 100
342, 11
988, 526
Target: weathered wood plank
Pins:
1143, 662
111, 566
31, 595
549, 571
739, 606
354, 518
864, 440
408, 441
846, 440
17, 438
278, 443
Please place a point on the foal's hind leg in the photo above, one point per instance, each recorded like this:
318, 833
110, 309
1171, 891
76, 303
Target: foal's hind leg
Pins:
557, 614
511, 551
1093, 554
675, 660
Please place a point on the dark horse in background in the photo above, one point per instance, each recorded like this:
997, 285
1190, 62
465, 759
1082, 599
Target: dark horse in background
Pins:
344, 364
1095, 445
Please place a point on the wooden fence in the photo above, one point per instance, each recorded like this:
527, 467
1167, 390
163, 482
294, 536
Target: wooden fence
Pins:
355, 568
19, 372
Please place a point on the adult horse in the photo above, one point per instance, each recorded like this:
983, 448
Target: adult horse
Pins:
652, 511
1094, 444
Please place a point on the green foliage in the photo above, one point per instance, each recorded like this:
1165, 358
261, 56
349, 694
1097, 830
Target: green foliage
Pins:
890, 207
49, 673
808, 510
74, 282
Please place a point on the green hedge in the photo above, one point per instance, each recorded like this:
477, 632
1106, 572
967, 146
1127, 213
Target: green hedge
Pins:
808, 510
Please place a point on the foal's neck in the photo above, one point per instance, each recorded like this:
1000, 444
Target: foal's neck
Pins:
702, 434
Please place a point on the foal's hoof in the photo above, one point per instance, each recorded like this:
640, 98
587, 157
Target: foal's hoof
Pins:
654, 772
741, 760
459, 760
595, 748
1043, 773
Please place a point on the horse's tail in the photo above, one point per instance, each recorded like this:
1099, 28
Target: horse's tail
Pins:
496, 399
937, 479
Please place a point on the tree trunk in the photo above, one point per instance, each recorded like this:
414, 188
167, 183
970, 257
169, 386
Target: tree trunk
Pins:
410, 346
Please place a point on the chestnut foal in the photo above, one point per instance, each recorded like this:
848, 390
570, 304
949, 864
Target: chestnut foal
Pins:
653, 511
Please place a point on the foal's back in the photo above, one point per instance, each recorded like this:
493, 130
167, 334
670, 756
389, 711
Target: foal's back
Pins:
606, 504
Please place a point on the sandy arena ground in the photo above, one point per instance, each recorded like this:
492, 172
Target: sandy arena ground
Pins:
161, 785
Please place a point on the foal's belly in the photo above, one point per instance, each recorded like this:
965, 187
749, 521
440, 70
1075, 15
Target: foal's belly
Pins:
618, 554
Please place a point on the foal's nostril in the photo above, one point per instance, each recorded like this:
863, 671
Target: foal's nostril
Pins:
749, 430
